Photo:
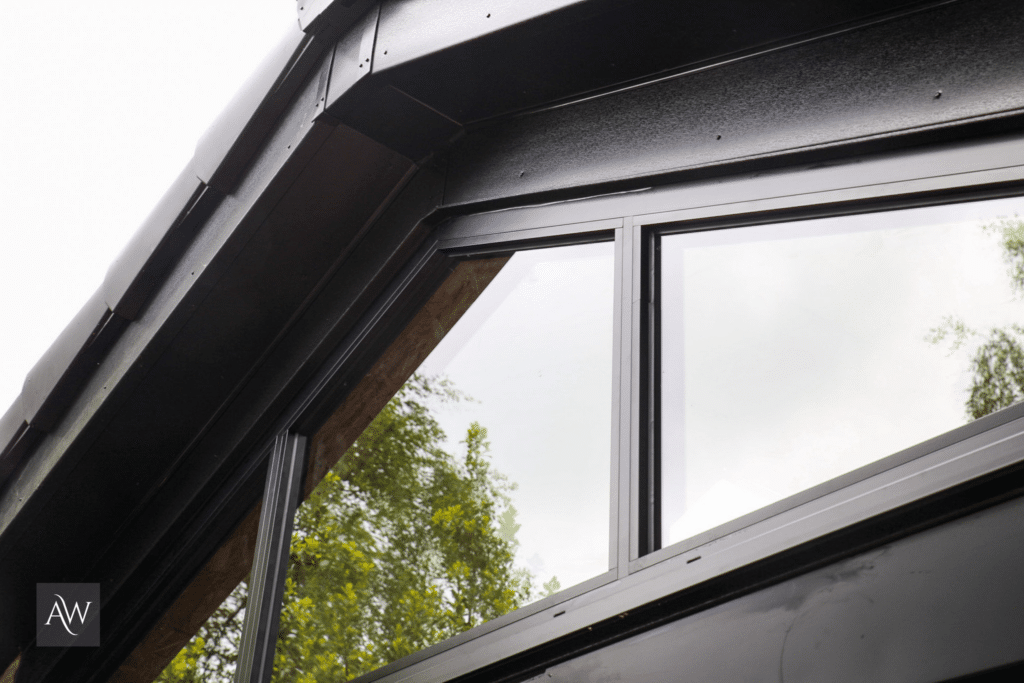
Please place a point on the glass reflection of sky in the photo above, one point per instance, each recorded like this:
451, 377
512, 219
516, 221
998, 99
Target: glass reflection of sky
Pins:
535, 354
794, 353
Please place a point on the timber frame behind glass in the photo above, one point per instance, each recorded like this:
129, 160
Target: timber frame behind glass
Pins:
947, 476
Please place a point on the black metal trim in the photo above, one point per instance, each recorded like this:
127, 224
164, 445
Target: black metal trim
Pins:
662, 609
380, 325
508, 243
621, 500
988, 167
650, 327
838, 209
270, 566
632, 342
649, 493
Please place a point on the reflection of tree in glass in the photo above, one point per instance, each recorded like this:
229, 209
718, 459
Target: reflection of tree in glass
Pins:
401, 546
997, 363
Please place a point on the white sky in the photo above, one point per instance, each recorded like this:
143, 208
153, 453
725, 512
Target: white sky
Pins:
103, 104
535, 353
795, 353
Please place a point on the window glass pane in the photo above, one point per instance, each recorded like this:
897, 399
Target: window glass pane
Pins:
211, 654
793, 353
483, 484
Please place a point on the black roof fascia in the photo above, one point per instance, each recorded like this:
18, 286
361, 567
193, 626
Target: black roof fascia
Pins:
470, 61
326, 16
221, 156
58, 380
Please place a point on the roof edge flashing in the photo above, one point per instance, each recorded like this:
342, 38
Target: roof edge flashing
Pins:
414, 29
138, 269
222, 152
316, 16
57, 378
12, 433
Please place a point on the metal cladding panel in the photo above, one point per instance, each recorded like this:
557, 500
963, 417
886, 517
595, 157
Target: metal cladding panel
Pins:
474, 60
12, 430
364, 101
166, 232
941, 604
11, 424
402, 124
267, 284
314, 12
352, 60
331, 17
939, 67
411, 29
225, 149
54, 382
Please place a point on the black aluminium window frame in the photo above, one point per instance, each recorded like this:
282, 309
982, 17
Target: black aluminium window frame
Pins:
921, 485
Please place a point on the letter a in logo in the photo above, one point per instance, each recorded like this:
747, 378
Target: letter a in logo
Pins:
66, 617
67, 623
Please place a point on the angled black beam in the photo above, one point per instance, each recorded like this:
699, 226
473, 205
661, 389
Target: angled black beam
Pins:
270, 564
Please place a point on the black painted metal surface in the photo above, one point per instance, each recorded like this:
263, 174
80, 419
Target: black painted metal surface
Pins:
938, 605
168, 230
281, 498
330, 16
53, 383
474, 60
227, 147
935, 68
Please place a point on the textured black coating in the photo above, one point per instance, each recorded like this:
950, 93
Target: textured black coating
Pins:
12, 424
399, 122
358, 98
55, 380
941, 604
163, 236
871, 82
352, 61
324, 16
17, 439
229, 145
473, 60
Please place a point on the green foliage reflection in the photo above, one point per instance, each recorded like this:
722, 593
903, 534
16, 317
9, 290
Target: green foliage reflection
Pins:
402, 545
997, 359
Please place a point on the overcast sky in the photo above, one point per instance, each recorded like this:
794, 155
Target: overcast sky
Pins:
534, 353
103, 106
797, 352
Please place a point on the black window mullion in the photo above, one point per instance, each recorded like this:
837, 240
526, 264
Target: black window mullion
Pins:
621, 503
651, 399
281, 498
646, 382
